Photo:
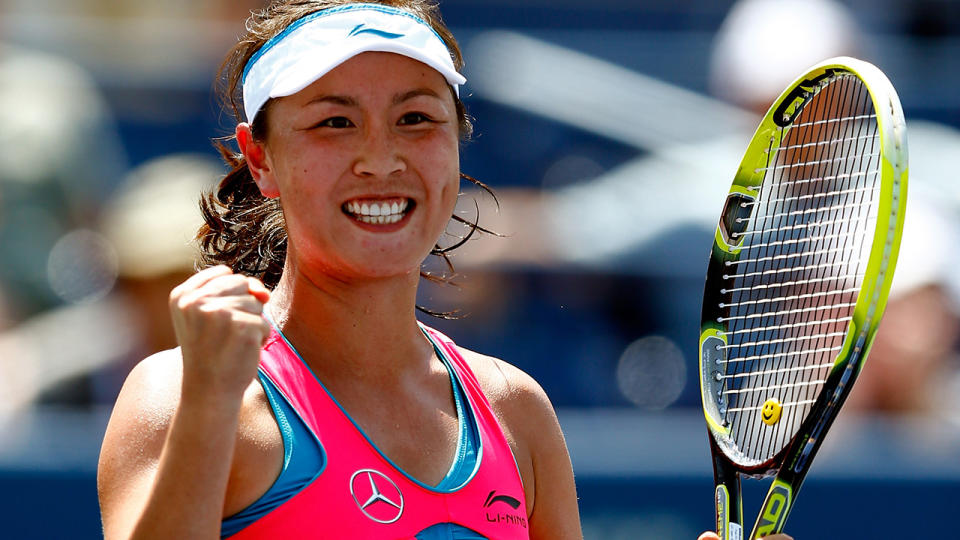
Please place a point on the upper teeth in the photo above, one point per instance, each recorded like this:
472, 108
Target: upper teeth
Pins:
378, 212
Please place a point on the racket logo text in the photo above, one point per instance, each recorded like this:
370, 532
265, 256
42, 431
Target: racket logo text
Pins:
800, 94
774, 512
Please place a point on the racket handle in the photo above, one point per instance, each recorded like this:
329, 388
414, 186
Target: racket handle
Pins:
773, 513
726, 497
728, 513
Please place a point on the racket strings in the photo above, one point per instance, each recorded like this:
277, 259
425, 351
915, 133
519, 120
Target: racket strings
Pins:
828, 178
804, 240
807, 367
806, 395
773, 387
777, 355
798, 399
814, 162
784, 257
787, 270
820, 143
813, 196
792, 297
813, 212
807, 211
794, 339
836, 120
750, 375
782, 326
795, 311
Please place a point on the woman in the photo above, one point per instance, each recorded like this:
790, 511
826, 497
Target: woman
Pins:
360, 423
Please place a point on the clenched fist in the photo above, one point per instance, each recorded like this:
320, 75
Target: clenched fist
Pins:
218, 319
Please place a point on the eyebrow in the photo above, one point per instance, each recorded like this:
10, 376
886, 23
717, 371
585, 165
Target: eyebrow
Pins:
339, 100
348, 101
400, 98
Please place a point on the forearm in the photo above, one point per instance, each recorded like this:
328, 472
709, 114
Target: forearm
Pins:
187, 497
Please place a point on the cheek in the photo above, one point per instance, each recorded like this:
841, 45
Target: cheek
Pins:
306, 174
446, 164
449, 193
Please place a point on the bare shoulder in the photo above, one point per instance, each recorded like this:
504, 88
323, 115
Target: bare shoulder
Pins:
521, 406
533, 431
508, 388
143, 416
151, 391
134, 438
143, 411
148, 402
154, 383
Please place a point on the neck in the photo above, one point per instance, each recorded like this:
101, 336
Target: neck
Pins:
366, 329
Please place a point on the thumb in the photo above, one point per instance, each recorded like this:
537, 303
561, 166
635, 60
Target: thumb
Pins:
259, 291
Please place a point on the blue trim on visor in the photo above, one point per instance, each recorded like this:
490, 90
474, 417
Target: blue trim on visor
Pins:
323, 13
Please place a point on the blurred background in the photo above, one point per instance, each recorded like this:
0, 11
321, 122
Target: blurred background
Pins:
610, 131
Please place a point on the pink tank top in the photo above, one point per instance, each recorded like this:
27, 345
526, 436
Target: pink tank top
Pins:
360, 494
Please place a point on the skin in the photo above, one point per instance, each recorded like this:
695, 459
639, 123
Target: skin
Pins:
193, 439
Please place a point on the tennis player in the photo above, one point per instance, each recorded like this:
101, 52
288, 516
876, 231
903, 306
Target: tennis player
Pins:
305, 399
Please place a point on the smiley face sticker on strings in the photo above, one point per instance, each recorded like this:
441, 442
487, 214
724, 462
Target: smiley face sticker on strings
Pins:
770, 413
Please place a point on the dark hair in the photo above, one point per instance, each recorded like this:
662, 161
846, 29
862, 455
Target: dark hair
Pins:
245, 230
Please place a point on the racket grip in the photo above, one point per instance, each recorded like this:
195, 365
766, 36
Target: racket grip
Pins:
727, 497
728, 513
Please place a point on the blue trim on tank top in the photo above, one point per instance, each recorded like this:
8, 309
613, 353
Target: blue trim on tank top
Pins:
301, 460
304, 459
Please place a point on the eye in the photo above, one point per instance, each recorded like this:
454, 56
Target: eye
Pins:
414, 118
336, 122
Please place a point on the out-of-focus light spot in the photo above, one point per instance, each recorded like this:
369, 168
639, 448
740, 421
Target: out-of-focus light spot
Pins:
651, 372
82, 267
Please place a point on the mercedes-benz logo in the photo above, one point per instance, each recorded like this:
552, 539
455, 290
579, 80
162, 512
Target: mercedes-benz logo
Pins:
377, 496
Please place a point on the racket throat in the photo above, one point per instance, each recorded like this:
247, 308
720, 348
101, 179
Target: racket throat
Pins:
776, 508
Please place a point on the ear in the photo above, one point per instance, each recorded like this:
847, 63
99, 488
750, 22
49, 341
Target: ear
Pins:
257, 161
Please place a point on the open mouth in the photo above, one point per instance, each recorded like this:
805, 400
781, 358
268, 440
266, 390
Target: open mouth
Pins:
378, 211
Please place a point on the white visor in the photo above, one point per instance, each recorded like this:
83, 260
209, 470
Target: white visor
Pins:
312, 46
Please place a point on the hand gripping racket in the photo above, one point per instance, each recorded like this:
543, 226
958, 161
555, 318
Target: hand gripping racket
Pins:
798, 279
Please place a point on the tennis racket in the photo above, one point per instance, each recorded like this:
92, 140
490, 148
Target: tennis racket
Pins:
798, 279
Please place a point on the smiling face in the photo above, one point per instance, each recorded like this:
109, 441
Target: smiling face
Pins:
365, 162
770, 412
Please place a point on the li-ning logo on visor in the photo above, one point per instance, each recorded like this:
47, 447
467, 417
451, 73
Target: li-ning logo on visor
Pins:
377, 496
362, 28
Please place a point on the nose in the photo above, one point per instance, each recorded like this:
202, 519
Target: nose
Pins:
379, 155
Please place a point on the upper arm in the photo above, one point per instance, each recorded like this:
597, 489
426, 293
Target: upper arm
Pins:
134, 440
529, 420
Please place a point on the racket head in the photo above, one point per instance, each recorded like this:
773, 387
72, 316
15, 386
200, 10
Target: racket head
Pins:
802, 260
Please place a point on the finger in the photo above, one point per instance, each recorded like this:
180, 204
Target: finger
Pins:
708, 536
254, 325
226, 285
258, 290
245, 303
200, 278
220, 286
